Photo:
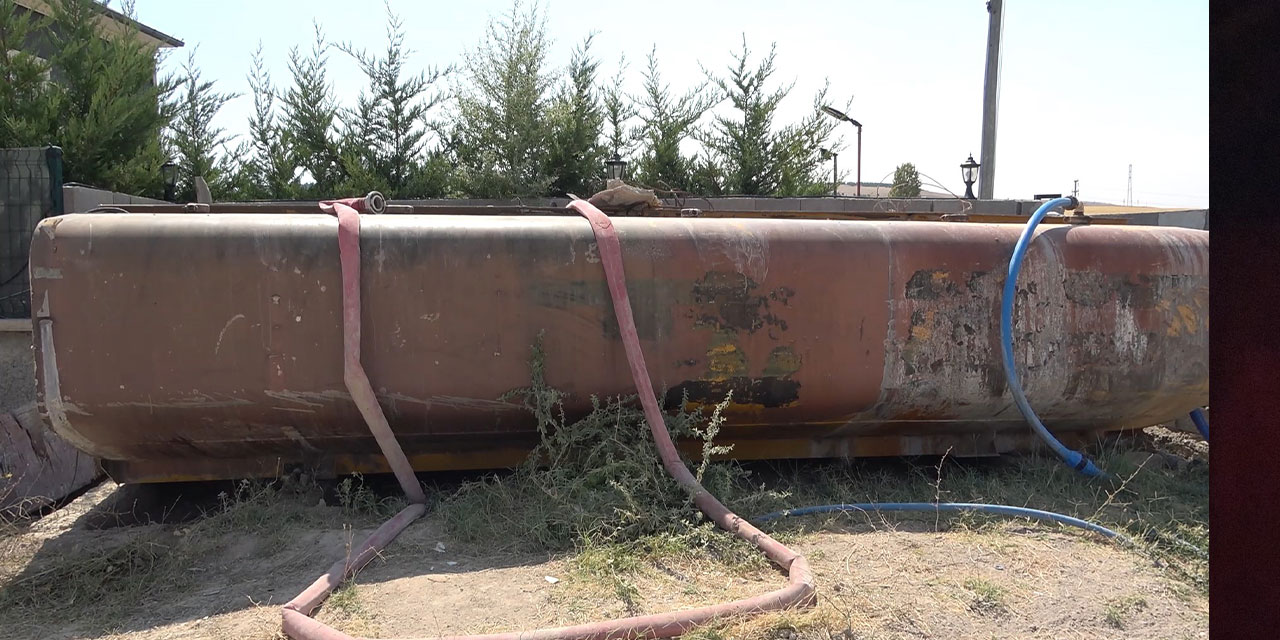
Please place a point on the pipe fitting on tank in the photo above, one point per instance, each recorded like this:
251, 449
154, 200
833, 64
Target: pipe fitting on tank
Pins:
374, 203
1077, 215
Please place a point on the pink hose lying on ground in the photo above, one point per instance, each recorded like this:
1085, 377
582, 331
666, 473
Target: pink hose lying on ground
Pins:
296, 621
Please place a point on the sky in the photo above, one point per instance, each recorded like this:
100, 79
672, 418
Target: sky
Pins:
1088, 87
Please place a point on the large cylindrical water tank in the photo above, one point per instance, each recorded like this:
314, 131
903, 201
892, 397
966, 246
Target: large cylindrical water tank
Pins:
185, 346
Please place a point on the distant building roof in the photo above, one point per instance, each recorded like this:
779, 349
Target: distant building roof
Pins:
881, 190
113, 20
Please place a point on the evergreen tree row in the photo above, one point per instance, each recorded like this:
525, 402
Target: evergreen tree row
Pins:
504, 122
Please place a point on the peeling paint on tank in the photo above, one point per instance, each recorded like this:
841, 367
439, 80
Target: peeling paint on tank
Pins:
724, 359
745, 393
783, 361
1188, 317
929, 284
727, 301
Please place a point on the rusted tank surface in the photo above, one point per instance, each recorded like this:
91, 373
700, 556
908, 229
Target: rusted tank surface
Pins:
197, 346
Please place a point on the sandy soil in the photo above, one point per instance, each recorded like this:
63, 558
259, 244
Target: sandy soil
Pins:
887, 582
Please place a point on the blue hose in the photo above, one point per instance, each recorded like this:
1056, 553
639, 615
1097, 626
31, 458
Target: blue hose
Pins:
1202, 423
1074, 459
1017, 512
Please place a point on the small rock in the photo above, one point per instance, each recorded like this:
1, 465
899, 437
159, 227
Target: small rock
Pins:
551, 579
999, 567
439, 547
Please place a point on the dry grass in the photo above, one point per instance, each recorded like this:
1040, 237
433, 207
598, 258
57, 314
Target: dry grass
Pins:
119, 572
1119, 609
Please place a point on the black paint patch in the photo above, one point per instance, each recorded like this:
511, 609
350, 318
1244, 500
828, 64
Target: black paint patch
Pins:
769, 392
727, 301
917, 320
974, 282
923, 286
651, 303
1141, 291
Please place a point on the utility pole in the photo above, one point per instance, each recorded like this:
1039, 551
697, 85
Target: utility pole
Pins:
859, 157
1128, 194
1075, 190
991, 101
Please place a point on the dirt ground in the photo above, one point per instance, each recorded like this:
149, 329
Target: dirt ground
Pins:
880, 585
876, 579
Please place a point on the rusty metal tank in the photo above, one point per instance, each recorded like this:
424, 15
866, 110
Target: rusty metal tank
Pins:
200, 346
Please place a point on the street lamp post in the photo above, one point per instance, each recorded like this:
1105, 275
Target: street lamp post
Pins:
615, 167
169, 173
835, 170
839, 115
969, 171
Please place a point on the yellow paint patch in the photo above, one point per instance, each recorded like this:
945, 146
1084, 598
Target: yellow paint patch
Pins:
724, 359
924, 330
1188, 317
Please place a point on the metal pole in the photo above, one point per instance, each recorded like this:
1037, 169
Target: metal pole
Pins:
859, 160
835, 174
991, 101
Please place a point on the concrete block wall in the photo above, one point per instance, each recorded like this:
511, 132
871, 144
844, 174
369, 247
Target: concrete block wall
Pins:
1191, 219
808, 205
80, 198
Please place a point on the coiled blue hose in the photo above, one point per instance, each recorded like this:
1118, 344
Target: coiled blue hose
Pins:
1074, 459
1202, 423
998, 509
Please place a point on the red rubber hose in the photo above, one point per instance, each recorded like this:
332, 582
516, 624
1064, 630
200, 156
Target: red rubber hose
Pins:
799, 591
